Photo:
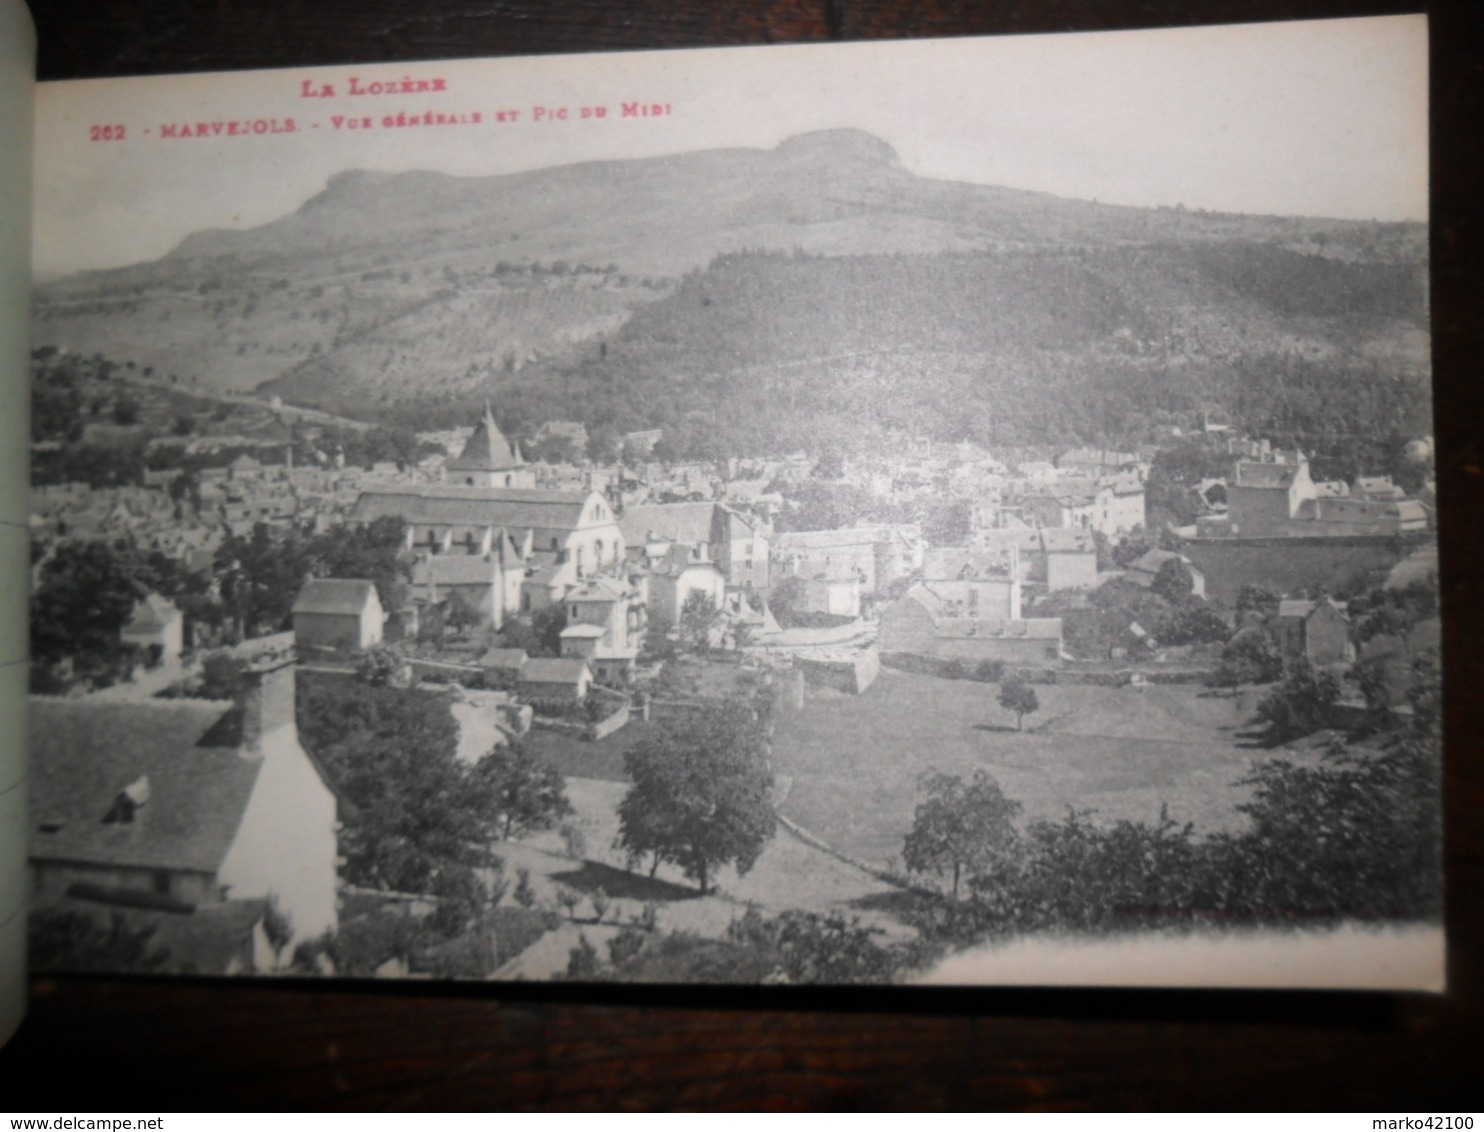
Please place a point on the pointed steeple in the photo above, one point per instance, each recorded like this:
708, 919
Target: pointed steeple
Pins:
487, 450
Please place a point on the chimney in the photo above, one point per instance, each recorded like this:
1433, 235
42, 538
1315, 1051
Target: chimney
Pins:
266, 700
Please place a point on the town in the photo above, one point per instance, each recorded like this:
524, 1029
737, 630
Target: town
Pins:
295, 713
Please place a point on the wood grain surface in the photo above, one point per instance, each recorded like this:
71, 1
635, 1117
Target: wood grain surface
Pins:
116, 1044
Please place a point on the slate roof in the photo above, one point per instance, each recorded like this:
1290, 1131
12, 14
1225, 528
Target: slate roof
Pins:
454, 570
487, 450
517, 508
83, 754
1266, 475
1302, 609
547, 670
343, 596
503, 658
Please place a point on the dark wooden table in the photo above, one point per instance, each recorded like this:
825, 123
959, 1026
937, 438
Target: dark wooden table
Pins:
113, 1044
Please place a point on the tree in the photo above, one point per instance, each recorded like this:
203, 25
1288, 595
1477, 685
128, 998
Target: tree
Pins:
1301, 704
84, 596
700, 797
125, 410
261, 576
1359, 835
221, 676
786, 599
1260, 602
413, 809
525, 794
990, 671
1174, 581
582, 960
374, 551
1248, 658
462, 613
382, 665
60, 940
1018, 696
1191, 622
698, 616
959, 825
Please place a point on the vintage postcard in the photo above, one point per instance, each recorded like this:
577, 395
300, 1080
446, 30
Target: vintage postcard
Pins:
939, 511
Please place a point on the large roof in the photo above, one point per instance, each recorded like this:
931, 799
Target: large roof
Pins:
1266, 475
546, 670
84, 754
486, 451
1293, 607
515, 508
346, 596
503, 658
455, 570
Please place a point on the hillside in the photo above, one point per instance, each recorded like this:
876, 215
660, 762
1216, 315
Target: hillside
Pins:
770, 351
620, 290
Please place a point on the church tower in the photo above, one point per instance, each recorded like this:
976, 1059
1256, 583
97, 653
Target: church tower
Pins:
488, 460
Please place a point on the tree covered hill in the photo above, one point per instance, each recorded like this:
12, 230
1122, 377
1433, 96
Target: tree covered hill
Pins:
769, 351
754, 287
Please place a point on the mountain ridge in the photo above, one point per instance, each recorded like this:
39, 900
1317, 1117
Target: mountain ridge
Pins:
426, 287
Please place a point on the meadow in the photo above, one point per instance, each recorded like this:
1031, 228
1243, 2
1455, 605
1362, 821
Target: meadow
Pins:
852, 762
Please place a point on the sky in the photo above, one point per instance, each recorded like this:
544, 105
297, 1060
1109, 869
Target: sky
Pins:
1310, 118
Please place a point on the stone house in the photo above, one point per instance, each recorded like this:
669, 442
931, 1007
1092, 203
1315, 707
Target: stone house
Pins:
606, 620
157, 628
184, 805
1318, 631
739, 543
559, 681
676, 576
339, 614
502, 667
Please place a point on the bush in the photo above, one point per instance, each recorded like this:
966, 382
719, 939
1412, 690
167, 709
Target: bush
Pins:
990, 671
582, 960
626, 945
525, 894
1301, 704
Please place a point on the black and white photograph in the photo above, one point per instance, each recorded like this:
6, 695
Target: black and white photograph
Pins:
949, 511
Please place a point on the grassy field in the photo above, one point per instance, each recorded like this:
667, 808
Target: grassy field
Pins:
854, 760
580, 758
